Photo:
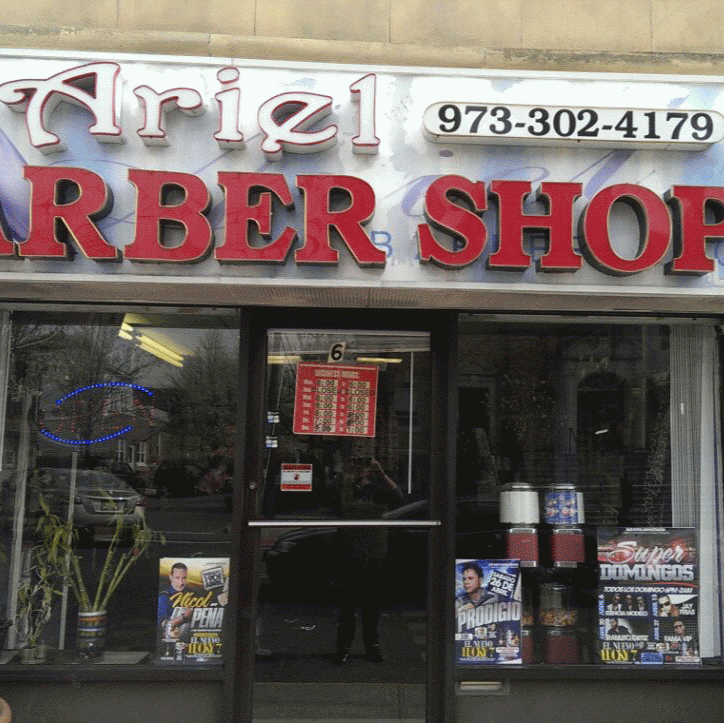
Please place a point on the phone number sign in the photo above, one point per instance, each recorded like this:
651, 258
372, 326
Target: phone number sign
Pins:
335, 400
669, 128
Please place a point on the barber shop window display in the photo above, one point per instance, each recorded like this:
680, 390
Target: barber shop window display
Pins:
117, 454
570, 464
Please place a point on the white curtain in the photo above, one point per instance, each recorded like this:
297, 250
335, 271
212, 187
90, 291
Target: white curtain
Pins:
695, 464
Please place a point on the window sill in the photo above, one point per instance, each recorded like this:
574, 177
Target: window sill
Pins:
680, 673
65, 666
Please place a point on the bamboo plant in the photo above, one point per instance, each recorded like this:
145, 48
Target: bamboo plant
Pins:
42, 581
116, 564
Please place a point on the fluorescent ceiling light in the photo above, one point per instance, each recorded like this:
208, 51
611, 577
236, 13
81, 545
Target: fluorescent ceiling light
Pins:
161, 355
149, 343
379, 359
283, 359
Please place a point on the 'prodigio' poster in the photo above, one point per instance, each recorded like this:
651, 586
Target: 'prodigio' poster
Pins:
193, 592
487, 609
648, 596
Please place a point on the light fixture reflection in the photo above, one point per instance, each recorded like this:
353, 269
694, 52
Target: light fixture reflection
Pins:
379, 359
283, 359
149, 344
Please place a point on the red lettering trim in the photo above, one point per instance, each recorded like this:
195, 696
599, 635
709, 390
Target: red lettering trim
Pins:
557, 224
152, 213
241, 214
445, 214
92, 201
654, 224
320, 218
690, 203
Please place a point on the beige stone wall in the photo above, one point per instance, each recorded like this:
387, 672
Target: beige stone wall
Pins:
606, 35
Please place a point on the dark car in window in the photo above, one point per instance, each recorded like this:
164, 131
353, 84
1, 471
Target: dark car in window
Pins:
309, 556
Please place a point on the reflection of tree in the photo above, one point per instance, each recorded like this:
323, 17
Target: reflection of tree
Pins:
202, 401
52, 361
76, 357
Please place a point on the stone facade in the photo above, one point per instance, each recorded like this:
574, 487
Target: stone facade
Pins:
649, 36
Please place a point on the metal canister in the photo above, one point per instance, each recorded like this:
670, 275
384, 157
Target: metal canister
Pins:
563, 506
521, 543
527, 648
563, 511
567, 548
561, 646
520, 510
519, 505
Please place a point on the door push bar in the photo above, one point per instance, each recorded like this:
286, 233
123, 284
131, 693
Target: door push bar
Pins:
344, 523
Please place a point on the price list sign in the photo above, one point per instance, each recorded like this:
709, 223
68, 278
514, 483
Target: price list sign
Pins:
335, 400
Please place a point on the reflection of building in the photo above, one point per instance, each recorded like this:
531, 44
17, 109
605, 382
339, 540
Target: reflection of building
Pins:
102, 422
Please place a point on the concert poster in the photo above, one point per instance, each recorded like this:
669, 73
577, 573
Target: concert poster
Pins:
648, 596
193, 593
488, 612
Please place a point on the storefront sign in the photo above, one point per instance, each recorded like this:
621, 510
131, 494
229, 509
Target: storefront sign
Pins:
335, 400
257, 174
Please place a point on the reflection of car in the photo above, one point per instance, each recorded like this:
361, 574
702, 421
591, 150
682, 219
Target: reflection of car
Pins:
307, 556
191, 503
122, 470
99, 498
177, 479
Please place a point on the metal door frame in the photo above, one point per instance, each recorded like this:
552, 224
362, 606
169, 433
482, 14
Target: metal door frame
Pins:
241, 614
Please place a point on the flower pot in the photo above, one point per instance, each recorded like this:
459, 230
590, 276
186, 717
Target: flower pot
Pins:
33, 654
91, 640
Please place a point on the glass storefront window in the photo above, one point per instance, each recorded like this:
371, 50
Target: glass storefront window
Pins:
117, 464
585, 451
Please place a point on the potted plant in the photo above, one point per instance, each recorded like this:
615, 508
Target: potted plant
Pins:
93, 594
41, 583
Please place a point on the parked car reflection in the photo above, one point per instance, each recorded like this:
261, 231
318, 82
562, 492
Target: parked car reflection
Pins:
190, 503
99, 498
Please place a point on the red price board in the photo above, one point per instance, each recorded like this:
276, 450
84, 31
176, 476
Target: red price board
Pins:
335, 400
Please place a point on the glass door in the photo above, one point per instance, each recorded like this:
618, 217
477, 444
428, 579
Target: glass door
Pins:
342, 525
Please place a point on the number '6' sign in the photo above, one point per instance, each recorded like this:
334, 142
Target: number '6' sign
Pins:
336, 353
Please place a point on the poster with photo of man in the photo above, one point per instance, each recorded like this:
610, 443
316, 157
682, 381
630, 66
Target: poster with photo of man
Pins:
648, 596
193, 593
488, 612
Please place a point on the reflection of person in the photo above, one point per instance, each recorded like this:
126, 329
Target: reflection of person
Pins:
473, 593
617, 628
177, 582
666, 608
366, 492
